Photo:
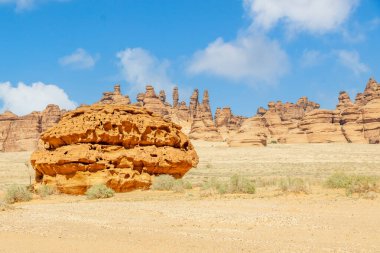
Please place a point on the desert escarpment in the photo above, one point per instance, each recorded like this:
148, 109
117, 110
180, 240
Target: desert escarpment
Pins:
305, 122
300, 122
121, 146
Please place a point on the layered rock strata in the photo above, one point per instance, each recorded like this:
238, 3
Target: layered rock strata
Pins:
118, 145
304, 122
21, 133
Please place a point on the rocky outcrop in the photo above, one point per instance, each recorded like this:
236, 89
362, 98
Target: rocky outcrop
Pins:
344, 101
154, 103
371, 120
304, 122
203, 126
299, 122
175, 97
252, 133
115, 97
22, 133
118, 145
322, 126
227, 123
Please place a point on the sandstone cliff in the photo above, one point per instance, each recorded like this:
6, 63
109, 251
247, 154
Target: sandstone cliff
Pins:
300, 122
22, 133
304, 122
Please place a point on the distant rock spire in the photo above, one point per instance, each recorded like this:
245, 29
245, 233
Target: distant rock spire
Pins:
175, 97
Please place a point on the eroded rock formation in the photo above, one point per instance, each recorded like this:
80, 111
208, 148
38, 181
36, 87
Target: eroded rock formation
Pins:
300, 122
203, 126
115, 97
227, 123
22, 133
121, 146
304, 122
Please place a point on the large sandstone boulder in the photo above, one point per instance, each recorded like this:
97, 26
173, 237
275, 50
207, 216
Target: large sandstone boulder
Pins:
121, 146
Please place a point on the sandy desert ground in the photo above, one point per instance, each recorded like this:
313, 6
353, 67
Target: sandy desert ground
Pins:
151, 221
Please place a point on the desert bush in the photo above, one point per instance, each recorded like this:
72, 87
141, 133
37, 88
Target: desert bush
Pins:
236, 184
338, 180
45, 190
353, 183
187, 185
213, 186
240, 184
178, 186
99, 191
163, 183
17, 193
169, 183
294, 185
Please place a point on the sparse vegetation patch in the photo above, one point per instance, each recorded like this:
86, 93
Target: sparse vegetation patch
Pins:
294, 185
45, 190
99, 191
240, 184
169, 183
236, 184
163, 183
360, 184
17, 193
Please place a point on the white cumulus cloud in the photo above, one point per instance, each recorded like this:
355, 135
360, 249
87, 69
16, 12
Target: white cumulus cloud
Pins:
351, 60
27, 4
318, 16
23, 99
139, 68
79, 59
249, 58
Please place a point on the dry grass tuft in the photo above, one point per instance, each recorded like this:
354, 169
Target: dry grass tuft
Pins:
17, 193
360, 184
169, 183
99, 191
163, 183
45, 190
237, 184
294, 185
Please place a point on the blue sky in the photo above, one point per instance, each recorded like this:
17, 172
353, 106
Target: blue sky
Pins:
245, 52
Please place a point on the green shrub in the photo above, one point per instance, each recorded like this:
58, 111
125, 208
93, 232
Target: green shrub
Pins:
240, 184
163, 183
353, 183
17, 193
99, 191
45, 190
338, 180
294, 185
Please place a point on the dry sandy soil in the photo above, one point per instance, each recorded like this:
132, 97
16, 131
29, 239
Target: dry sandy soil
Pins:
152, 221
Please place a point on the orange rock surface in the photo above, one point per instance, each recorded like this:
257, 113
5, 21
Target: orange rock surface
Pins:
121, 146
